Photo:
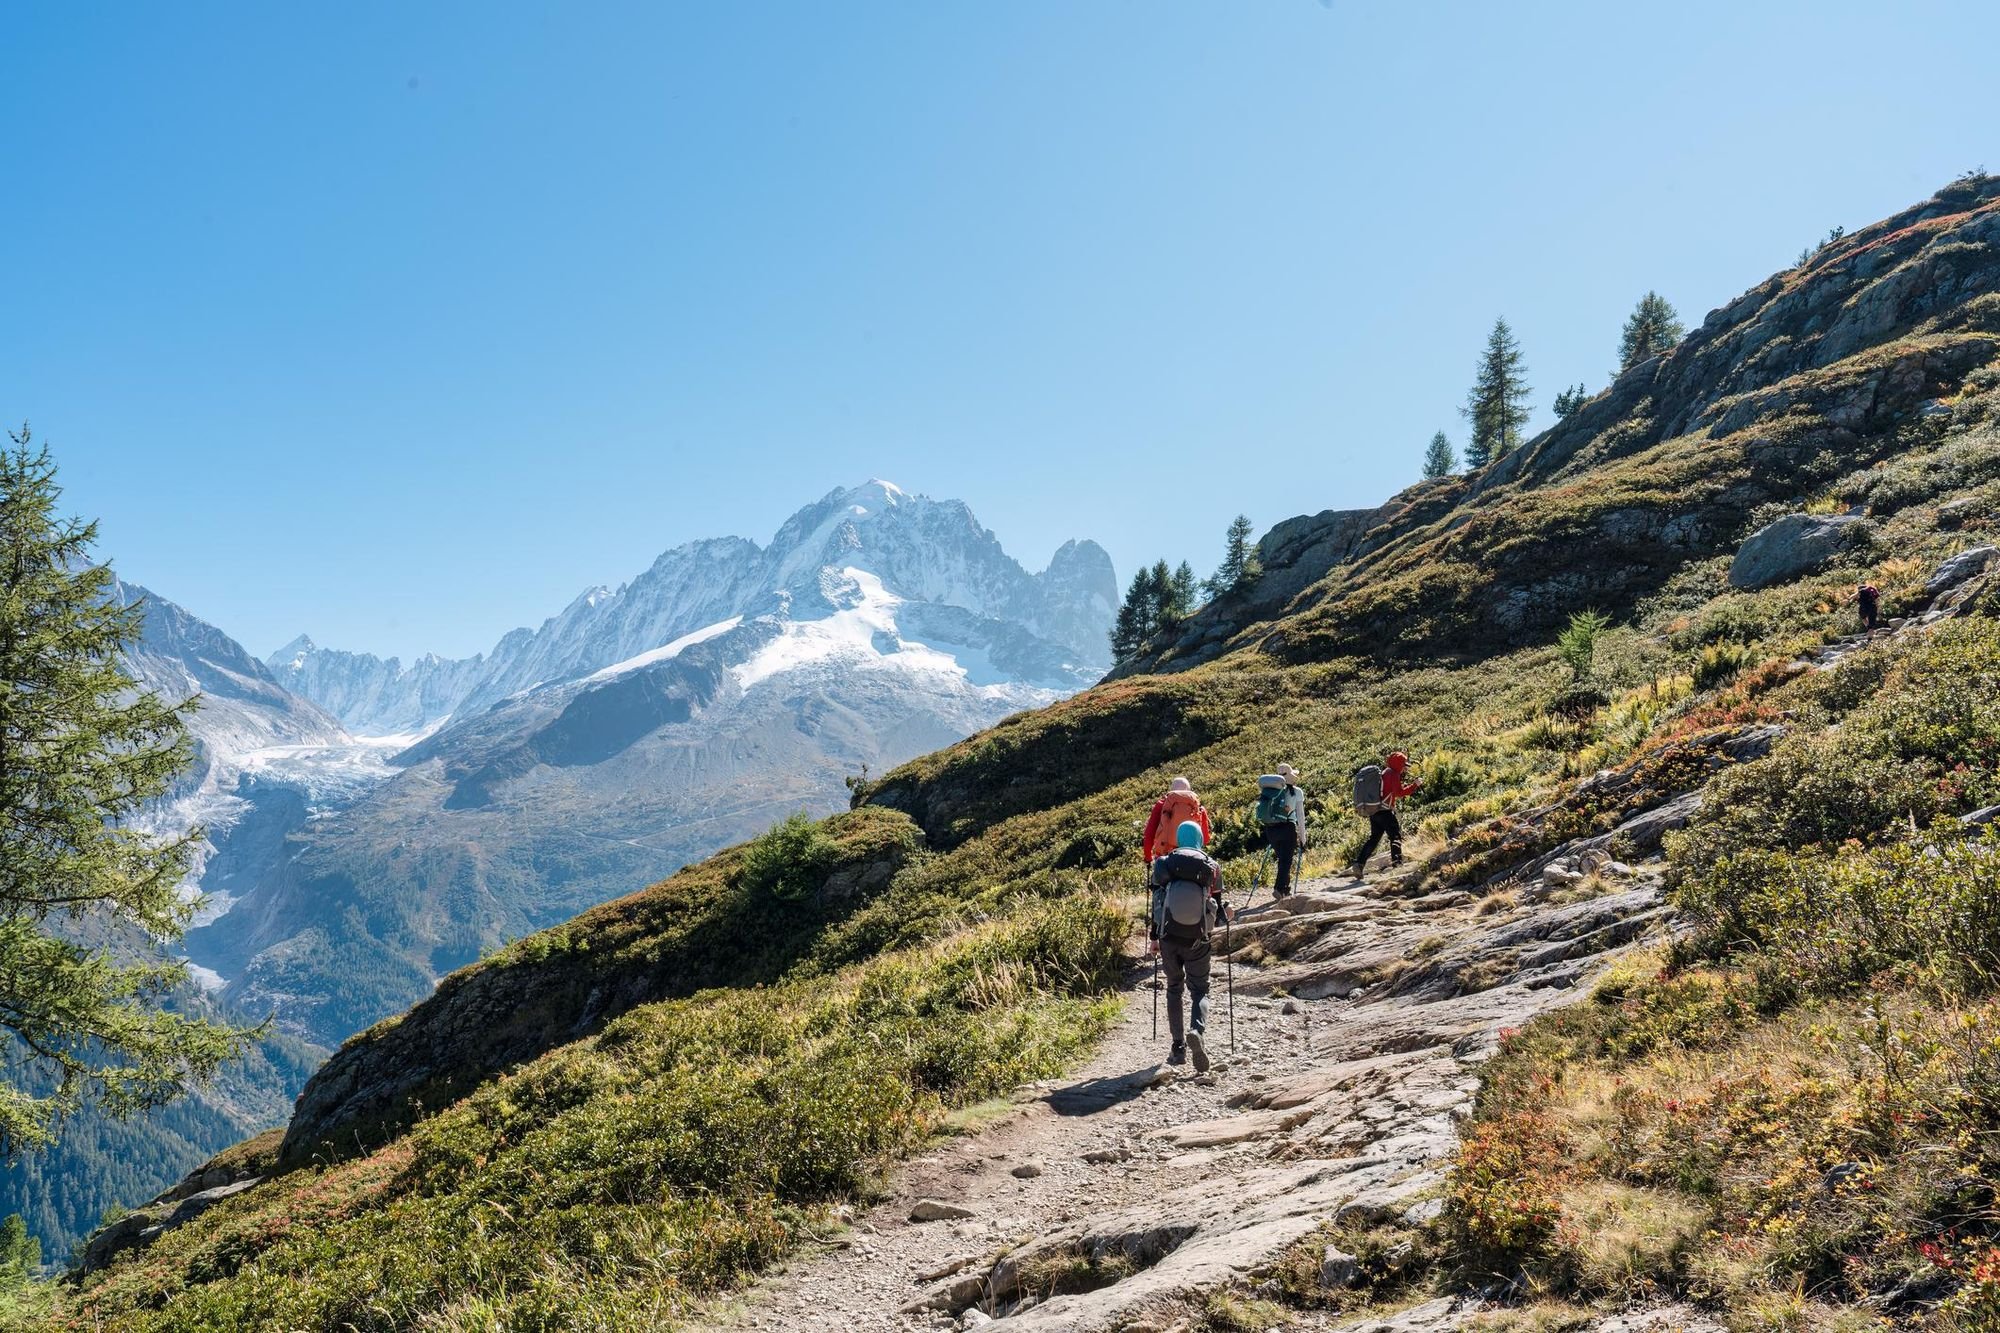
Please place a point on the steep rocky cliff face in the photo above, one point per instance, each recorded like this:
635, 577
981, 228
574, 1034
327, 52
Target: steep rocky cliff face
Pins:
1814, 371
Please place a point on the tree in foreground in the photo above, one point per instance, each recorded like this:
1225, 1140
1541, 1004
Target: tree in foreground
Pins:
1440, 460
1497, 406
82, 750
1240, 567
1653, 327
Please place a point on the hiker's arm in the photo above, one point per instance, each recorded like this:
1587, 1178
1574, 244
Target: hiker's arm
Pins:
1157, 913
1146, 838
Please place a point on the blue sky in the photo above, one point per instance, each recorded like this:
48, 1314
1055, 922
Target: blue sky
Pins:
401, 324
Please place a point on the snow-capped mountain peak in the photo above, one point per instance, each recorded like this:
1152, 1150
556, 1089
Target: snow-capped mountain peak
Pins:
915, 550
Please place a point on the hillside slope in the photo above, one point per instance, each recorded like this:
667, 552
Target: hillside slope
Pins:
637, 1146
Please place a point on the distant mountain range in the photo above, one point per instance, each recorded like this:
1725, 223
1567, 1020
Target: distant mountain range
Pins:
374, 825
1048, 629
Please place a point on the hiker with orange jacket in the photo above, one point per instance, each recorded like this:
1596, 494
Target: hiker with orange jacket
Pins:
1179, 804
1376, 792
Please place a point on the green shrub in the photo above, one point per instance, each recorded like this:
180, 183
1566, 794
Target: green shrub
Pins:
1505, 1201
1719, 663
789, 861
1099, 847
1826, 921
1577, 644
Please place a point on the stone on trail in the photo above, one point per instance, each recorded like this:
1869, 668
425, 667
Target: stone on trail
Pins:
1026, 1171
937, 1210
1338, 1268
1291, 1007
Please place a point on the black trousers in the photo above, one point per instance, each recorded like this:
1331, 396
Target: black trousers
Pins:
1283, 840
1383, 824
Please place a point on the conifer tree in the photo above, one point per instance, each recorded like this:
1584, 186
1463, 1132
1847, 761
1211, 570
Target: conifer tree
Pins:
1497, 405
1239, 567
82, 749
1652, 328
20, 1253
1138, 617
1440, 460
1179, 592
1569, 400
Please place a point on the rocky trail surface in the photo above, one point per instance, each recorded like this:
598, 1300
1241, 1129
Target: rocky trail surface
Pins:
1112, 1199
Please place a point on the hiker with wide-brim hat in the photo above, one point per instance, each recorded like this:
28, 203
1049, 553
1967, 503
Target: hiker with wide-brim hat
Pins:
1281, 818
1187, 905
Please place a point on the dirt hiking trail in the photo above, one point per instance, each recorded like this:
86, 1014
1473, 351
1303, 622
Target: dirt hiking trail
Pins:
1115, 1198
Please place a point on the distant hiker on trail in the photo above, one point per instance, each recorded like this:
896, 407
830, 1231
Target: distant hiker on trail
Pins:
1376, 791
1179, 805
1187, 905
1868, 597
1281, 811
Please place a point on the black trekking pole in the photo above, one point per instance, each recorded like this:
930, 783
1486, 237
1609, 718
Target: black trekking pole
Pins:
1153, 947
1229, 970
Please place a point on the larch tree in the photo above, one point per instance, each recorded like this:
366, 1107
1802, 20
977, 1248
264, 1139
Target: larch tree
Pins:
88, 900
1440, 459
1239, 567
1652, 328
1497, 405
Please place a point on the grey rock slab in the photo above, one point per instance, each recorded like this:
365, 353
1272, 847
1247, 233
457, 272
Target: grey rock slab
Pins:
1958, 569
1793, 545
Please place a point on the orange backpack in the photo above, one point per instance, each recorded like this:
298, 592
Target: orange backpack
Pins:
1176, 807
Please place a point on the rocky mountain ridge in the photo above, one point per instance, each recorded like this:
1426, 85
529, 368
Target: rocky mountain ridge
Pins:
643, 727
932, 552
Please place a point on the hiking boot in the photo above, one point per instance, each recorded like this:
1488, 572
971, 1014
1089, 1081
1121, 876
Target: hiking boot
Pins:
1358, 870
1199, 1049
1178, 1055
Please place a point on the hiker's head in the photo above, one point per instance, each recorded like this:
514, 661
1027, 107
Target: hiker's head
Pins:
1180, 784
1188, 835
1398, 761
1288, 773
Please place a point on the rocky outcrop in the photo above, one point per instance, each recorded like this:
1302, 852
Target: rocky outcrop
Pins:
1958, 569
1832, 360
234, 1171
1793, 545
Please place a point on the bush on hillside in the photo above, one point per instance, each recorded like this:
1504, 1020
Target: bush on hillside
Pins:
790, 860
1099, 847
1719, 663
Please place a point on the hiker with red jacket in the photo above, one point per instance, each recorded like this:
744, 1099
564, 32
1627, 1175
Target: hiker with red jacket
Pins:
1376, 791
1179, 805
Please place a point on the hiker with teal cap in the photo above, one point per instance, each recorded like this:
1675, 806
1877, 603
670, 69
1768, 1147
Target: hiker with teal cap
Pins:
1187, 906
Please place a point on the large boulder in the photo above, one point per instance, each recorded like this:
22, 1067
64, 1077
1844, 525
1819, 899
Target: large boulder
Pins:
1958, 569
1796, 544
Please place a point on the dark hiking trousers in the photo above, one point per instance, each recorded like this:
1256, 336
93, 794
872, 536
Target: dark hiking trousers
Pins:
1283, 840
1187, 964
1383, 824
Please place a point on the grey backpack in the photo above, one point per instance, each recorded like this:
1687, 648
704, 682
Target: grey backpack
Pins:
1368, 789
1187, 907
